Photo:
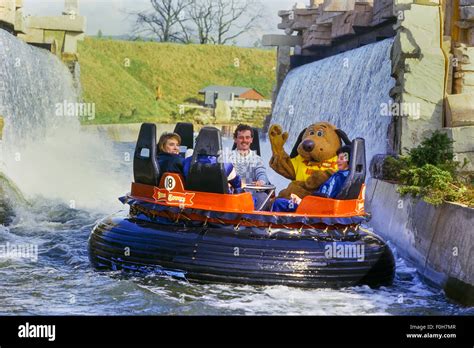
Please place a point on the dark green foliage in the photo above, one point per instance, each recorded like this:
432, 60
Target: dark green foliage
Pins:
432, 183
393, 167
430, 171
436, 150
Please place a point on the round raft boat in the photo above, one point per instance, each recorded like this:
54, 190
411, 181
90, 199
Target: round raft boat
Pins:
194, 229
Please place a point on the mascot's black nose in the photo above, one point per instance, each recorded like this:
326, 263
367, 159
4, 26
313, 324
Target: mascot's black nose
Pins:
308, 145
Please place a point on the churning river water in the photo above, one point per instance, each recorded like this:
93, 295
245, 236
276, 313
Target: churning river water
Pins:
61, 281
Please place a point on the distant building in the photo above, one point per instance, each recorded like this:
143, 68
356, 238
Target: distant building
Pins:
228, 93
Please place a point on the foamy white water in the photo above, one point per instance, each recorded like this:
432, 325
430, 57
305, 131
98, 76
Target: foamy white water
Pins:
45, 153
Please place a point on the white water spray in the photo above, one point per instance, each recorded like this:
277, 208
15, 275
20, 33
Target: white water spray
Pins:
45, 153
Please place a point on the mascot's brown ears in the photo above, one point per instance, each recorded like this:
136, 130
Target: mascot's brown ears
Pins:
342, 135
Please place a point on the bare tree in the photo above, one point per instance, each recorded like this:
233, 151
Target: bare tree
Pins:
187, 31
233, 18
209, 21
166, 21
201, 14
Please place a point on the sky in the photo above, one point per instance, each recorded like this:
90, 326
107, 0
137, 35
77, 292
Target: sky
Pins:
111, 16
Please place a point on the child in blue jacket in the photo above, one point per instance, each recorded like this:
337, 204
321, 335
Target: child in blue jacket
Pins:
329, 189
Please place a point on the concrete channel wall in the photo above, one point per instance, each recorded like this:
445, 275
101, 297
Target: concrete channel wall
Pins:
438, 241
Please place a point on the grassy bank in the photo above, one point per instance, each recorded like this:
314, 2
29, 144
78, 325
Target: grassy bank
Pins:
121, 77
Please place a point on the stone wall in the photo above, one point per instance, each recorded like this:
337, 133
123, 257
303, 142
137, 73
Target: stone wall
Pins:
11, 17
419, 66
61, 32
225, 113
434, 75
228, 112
466, 22
463, 69
323, 23
57, 33
252, 116
247, 103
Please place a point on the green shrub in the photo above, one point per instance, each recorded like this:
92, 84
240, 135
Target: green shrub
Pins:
393, 167
436, 150
430, 171
435, 185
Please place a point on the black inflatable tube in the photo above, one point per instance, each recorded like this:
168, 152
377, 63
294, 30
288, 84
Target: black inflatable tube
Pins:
209, 254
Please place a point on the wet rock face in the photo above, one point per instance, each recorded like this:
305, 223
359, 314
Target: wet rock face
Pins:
9, 197
6, 212
377, 165
381, 169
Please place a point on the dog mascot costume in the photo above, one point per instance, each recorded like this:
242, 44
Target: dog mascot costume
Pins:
313, 159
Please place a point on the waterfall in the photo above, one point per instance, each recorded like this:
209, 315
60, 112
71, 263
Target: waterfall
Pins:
32, 81
44, 150
347, 90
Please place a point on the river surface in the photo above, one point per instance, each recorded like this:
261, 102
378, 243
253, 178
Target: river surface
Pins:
61, 281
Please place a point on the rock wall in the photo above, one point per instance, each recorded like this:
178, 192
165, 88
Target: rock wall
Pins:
463, 66
228, 112
326, 28
57, 33
11, 16
465, 21
433, 77
325, 23
251, 116
419, 66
